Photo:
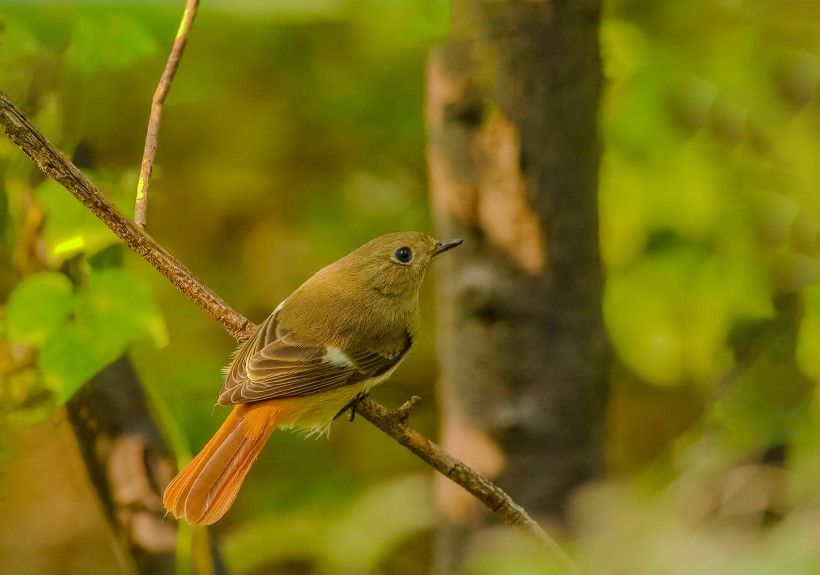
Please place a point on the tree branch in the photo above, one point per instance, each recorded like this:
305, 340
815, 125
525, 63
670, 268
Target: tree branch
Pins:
164, 86
492, 496
56, 166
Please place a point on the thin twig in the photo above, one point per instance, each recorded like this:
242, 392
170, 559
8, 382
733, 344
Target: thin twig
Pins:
55, 165
164, 86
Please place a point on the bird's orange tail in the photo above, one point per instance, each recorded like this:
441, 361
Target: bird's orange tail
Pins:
205, 489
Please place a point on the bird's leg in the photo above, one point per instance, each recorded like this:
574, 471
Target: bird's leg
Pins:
354, 403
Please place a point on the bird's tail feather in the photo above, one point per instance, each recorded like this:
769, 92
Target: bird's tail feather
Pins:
205, 489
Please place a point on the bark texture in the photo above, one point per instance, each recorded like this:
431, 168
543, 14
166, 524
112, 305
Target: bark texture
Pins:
127, 462
514, 156
129, 465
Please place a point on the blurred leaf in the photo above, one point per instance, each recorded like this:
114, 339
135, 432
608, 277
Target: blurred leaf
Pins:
624, 46
265, 541
110, 40
511, 552
114, 311
641, 324
399, 508
38, 305
71, 355
121, 309
808, 341
17, 41
19, 49
389, 513
70, 227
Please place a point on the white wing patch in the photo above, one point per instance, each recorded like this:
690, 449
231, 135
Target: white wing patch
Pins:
335, 356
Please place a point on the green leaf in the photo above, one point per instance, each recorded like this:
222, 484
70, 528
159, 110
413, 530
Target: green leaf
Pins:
121, 309
70, 227
112, 312
73, 354
115, 311
39, 304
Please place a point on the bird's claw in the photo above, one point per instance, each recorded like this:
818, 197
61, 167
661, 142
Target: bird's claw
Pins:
352, 405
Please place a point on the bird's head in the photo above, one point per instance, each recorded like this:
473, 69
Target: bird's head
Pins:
394, 265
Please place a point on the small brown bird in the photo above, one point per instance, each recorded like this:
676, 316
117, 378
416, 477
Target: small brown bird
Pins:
343, 331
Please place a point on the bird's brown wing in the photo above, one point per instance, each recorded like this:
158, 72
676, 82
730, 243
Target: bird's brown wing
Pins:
275, 364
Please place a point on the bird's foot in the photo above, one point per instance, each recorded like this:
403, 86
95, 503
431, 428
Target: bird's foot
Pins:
354, 403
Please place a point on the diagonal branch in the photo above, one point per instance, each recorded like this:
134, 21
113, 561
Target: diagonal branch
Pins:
393, 424
55, 165
164, 86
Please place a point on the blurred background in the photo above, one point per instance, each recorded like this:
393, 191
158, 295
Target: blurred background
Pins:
294, 132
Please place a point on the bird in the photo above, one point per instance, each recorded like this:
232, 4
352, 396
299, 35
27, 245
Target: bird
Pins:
342, 332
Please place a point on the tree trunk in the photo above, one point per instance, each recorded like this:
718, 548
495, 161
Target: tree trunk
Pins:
513, 157
129, 465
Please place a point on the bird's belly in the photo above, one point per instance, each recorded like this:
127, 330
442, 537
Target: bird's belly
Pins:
314, 413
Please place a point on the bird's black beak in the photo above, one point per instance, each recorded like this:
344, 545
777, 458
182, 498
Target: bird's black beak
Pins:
448, 245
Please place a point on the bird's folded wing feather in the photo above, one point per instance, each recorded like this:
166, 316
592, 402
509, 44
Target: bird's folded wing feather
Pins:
274, 364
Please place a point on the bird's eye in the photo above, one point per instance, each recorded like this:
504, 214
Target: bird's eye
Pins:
404, 255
